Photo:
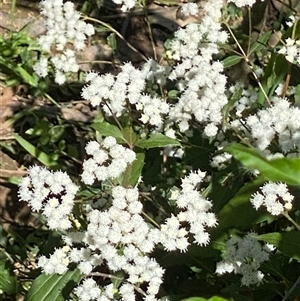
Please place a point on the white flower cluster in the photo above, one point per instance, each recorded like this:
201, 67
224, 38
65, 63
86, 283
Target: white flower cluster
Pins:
57, 263
198, 77
194, 211
291, 50
241, 3
280, 121
188, 9
274, 196
107, 160
244, 256
63, 29
51, 193
123, 225
117, 92
90, 290
126, 4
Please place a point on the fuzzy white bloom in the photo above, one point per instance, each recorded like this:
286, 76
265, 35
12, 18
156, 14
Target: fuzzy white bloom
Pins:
51, 193
126, 4
199, 78
244, 256
57, 263
64, 28
189, 9
241, 3
122, 224
274, 196
116, 93
194, 211
291, 50
89, 290
107, 160
281, 122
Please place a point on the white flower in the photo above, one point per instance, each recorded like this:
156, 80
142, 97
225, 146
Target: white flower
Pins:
52, 193
244, 256
274, 196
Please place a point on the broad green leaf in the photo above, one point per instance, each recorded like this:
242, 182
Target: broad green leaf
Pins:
284, 169
261, 42
136, 169
231, 61
157, 140
53, 287
8, 280
239, 212
35, 152
107, 129
130, 136
287, 242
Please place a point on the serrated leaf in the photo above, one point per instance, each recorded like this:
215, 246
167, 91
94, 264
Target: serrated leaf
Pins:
35, 152
231, 61
287, 242
283, 170
107, 129
157, 140
53, 287
8, 280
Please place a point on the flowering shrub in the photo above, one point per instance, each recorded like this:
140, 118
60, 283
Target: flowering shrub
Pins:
185, 196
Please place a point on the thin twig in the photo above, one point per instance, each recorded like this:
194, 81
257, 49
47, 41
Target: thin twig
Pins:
291, 289
117, 33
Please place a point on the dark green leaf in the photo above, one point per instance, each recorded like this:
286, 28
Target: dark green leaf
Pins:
107, 129
35, 152
231, 61
157, 140
136, 169
8, 280
287, 242
283, 170
53, 287
261, 42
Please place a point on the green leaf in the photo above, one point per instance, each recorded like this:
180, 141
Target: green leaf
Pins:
231, 61
8, 280
56, 133
112, 41
35, 152
136, 169
107, 129
157, 140
287, 242
283, 170
53, 287
27, 78
261, 42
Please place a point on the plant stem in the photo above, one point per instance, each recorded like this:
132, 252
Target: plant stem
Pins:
285, 213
